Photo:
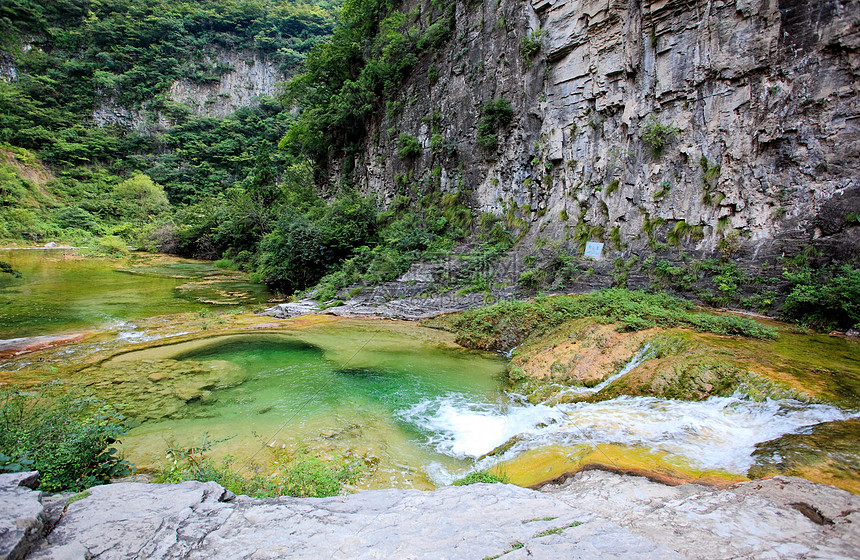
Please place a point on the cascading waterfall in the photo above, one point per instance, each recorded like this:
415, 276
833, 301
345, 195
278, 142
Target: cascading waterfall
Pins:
717, 433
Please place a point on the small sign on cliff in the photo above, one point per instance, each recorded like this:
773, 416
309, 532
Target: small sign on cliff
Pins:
593, 250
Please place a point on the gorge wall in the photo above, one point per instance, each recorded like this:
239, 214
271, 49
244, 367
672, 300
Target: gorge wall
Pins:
237, 79
755, 103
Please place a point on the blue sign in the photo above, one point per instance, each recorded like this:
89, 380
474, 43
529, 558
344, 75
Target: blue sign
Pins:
593, 250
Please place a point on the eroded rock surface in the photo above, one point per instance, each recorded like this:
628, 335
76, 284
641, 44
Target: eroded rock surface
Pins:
592, 515
782, 517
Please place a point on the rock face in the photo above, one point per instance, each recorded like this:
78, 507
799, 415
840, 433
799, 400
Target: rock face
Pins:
737, 120
592, 515
238, 78
24, 519
247, 75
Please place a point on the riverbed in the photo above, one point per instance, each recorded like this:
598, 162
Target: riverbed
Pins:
418, 410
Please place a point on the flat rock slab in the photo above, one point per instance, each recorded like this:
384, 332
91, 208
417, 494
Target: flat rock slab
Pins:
593, 515
191, 520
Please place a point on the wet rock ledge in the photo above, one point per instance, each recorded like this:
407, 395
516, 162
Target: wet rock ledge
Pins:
594, 514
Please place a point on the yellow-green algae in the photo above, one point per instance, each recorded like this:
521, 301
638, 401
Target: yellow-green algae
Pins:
551, 462
828, 453
691, 365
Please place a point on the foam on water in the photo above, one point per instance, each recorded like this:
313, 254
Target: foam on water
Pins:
459, 427
129, 332
718, 433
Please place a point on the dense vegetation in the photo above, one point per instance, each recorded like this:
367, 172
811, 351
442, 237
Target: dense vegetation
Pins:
358, 71
63, 433
73, 59
129, 52
507, 324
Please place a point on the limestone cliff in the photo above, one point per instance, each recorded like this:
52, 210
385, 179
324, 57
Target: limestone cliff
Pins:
701, 124
246, 76
232, 79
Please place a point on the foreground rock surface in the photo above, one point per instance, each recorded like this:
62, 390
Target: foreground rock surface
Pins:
592, 515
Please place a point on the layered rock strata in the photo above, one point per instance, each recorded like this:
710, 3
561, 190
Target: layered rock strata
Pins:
703, 124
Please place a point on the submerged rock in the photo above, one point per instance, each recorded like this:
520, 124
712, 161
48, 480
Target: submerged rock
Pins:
592, 515
155, 389
825, 452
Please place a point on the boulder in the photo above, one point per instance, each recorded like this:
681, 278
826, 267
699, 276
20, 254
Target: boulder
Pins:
22, 517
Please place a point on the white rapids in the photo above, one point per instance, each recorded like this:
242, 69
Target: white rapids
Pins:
717, 433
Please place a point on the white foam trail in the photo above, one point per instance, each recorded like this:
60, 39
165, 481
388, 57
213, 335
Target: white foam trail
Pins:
637, 359
718, 433
129, 332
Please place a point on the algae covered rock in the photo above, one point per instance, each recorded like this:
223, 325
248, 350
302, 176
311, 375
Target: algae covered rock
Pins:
825, 452
164, 388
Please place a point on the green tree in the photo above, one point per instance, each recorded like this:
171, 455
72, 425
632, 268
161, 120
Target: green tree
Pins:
141, 198
294, 256
263, 188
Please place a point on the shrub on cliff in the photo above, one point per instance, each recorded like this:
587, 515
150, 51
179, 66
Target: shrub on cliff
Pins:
656, 135
495, 115
826, 299
530, 45
409, 147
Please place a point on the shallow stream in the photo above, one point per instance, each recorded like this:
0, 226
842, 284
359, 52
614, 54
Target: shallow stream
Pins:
60, 291
425, 413
420, 410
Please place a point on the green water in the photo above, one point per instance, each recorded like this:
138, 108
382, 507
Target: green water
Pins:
403, 399
60, 292
340, 389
